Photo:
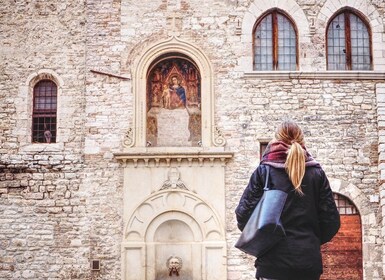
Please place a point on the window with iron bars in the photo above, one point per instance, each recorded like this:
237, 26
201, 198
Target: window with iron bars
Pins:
344, 205
44, 117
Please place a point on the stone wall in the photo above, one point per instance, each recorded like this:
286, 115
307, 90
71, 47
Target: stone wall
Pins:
44, 230
61, 204
341, 133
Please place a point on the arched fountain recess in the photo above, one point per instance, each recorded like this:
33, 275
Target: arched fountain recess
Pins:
174, 195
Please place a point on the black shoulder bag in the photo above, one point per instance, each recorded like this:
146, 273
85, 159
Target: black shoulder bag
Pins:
264, 229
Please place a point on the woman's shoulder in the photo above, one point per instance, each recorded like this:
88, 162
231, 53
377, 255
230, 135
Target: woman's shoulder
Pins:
316, 169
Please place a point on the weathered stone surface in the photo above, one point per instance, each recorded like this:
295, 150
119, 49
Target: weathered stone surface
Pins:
61, 205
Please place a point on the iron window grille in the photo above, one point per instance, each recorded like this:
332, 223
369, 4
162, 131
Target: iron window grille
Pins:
344, 205
44, 118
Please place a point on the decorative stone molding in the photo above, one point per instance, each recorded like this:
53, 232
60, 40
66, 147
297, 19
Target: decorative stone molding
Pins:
219, 140
173, 181
143, 224
140, 69
158, 157
43, 74
129, 138
317, 75
171, 222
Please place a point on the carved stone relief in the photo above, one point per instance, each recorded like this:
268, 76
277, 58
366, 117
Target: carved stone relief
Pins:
173, 181
178, 200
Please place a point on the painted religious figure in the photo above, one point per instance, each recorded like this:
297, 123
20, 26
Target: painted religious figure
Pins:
178, 94
173, 103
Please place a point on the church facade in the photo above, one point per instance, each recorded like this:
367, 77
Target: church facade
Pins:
129, 130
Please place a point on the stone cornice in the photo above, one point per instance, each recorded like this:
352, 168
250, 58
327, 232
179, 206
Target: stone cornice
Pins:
316, 75
156, 157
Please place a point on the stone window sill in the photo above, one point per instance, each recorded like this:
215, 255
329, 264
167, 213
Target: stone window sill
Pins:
316, 75
42, 147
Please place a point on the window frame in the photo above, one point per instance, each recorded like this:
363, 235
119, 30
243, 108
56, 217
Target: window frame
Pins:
44, 112
275, 46
348, 42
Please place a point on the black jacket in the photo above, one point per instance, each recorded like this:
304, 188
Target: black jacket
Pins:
309, 221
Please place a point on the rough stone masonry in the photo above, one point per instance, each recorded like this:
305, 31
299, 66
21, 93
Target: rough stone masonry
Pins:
61, 204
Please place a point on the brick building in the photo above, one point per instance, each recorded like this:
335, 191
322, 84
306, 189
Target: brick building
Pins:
128, 130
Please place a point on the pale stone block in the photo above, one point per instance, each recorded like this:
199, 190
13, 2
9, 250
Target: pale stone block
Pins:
257, 10
91, 147
291, 7
248, 22
380, 95
245, 64
129, 32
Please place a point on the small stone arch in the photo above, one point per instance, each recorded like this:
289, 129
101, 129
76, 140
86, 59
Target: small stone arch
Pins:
140, 68
351, 192
44, 74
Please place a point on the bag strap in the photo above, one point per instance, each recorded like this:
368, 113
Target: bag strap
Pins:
266, 188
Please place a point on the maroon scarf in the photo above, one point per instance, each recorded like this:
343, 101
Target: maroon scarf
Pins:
276, 153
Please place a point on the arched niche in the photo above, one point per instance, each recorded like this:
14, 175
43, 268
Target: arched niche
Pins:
173, 102
173, 223
169, 49
173, 235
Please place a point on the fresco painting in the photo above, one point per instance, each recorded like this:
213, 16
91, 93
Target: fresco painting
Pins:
173, 100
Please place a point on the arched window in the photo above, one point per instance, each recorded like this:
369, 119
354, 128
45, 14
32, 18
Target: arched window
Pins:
275, 42
348, 42
44, 112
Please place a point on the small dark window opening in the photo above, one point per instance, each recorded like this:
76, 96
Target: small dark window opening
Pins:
348, 42
275, 43
344, 205
95, 265
44, 117
262, 148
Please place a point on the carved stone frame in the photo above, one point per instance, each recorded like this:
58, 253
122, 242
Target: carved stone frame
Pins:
139, 77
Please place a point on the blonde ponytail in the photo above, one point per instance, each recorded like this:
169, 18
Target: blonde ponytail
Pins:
291, 134
295, 166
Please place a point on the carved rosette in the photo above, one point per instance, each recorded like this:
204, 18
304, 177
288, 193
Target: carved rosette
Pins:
219, 140
129, 138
